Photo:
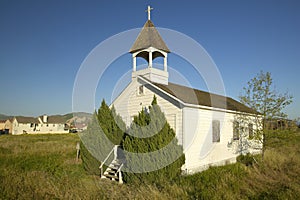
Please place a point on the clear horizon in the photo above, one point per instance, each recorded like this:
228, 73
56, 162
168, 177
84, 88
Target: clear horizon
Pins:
43, 44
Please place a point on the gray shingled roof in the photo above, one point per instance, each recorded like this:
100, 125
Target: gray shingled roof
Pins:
26, 120
54, 119
149, 37
198, 97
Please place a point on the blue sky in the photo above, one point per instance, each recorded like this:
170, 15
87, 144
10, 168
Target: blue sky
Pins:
43, 43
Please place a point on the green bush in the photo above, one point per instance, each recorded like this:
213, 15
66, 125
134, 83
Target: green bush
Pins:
90, 163
111, 123
150, 132
104, 131
247, 159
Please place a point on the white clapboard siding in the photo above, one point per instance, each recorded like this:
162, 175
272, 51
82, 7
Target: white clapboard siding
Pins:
199, 148
130, 102
192, 125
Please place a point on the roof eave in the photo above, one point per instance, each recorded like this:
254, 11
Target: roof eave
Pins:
195, 105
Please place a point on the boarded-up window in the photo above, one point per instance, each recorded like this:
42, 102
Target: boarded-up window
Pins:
250, 128
216, 130
236, 130
141, 90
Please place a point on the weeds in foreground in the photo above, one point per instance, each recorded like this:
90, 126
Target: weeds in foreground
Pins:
45, 167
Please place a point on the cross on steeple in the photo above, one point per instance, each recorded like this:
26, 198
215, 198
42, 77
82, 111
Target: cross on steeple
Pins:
149, 12
150, 45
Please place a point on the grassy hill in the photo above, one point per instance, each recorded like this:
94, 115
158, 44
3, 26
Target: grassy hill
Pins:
44, 167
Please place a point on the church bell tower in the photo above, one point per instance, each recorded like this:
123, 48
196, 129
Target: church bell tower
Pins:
150, 45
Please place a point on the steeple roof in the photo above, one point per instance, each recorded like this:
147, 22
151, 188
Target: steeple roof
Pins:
149, 37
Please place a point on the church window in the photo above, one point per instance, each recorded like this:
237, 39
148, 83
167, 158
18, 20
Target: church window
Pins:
216, 130
236, 130
250, 129
141, 90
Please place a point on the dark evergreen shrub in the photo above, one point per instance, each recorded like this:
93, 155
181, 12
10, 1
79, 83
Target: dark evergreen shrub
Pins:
148, 133
90, 163
111, 123
104, 131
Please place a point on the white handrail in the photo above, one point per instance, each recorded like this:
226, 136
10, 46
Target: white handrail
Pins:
120, 174
102, 163
120, 168
107, 157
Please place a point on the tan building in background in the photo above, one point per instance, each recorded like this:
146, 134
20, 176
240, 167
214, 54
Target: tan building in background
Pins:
41, 125
5, 126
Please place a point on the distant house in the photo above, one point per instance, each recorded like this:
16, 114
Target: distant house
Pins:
280, 124
5, 126
41, 125
80, 126
51, 124
23, 125
78, 122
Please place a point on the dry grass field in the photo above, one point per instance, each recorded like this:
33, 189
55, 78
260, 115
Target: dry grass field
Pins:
45, 167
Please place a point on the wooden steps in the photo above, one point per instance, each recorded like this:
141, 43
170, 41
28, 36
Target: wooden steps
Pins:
113, 171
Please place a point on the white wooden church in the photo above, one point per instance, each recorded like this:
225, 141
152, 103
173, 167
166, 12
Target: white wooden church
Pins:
204, 129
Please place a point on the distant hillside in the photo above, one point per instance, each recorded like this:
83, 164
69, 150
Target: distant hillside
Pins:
4, 117
78, 117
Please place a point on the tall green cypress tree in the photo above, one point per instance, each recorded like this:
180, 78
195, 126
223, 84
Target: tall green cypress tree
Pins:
105, 130
111, 123
94, 146
150, 132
